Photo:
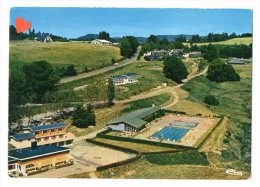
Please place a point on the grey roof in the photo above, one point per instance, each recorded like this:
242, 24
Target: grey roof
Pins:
135, 118
23, 136
235, 61
29, 153
42, 36
45, 127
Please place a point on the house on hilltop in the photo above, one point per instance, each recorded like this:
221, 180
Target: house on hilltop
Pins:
101, 42
136, 120
44, 37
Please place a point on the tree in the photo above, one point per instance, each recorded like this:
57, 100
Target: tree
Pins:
211, 100
40, 78
126, 49
210, 53
104, 35
110, 92
174, 69
220, 72
83, 117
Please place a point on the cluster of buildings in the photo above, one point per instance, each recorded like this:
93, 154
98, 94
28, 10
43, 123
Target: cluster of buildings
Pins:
128, 78
179, 53
39, 148
136, 120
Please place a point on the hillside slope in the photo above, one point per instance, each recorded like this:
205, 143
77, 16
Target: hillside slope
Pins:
82, 55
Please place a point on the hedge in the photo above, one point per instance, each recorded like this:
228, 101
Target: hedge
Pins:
142, 141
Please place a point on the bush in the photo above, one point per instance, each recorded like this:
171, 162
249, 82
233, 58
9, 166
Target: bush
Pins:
174, 69
220, 72
211, 100
191, 157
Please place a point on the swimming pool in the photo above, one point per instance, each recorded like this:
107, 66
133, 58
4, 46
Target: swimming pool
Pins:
170, 133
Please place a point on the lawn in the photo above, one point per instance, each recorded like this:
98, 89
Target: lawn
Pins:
135, 146
80, 54
245, 40
147, 102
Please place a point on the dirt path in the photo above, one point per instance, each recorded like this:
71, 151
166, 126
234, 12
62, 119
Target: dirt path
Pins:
102, 70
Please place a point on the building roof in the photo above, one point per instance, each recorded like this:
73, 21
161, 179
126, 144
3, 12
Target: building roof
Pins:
236, 61
22, 136
42, 36
45, 127
29, 153
135, 118
103, 41
127, 75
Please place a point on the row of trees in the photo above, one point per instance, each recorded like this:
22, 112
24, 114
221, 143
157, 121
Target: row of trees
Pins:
211, 37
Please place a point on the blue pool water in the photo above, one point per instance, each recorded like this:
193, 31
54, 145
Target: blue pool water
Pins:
171, 133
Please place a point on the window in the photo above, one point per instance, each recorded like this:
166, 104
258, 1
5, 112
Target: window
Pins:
37, 132
45, 131
53, 137
52, 130
60, 129
46, 138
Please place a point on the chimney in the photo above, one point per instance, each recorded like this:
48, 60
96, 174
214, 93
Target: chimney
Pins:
34, 145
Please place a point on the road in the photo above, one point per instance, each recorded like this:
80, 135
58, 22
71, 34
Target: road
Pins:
102, 70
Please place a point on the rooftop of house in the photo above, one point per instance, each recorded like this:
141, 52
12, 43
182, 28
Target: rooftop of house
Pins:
135, 118
103, 41
45, 127
23, 136
42, 36
29, 153
127, 75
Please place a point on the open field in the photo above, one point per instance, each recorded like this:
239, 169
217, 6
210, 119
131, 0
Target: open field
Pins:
246, 41
80, 54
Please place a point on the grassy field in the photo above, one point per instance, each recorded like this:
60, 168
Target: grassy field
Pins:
135, 146
246, 41
82, 55
147, 102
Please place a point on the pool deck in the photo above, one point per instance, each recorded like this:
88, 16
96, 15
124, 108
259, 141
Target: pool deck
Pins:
203, 127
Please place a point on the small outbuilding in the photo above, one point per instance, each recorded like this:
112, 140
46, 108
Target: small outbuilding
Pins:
236, 61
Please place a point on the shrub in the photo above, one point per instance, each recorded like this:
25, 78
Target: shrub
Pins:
211, 100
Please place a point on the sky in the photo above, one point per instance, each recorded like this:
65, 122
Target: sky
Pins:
76, 22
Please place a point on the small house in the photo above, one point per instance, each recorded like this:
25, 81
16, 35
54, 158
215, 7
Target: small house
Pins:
44, 37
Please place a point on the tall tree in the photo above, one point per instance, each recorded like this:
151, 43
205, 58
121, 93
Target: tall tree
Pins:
126, 49
174, 69
83, 117
110, 92
40, 78
104, 35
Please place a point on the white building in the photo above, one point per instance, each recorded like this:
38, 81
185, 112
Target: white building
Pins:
101, 42
124, 79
